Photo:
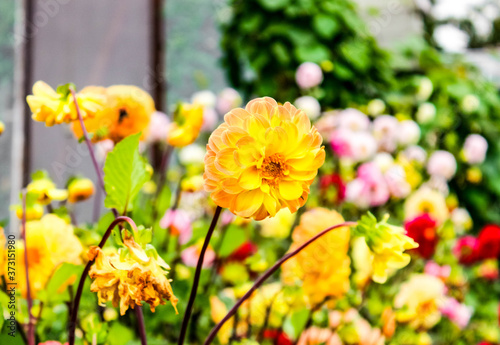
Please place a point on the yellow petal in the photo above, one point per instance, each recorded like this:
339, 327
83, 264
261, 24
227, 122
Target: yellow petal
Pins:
247, 203
290, 190
250, 178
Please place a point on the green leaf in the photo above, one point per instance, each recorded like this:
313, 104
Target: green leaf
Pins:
119, 334
124, 174
295, 324
65, 89
325, 26
60, 277
232, 240
315, 53
273, 5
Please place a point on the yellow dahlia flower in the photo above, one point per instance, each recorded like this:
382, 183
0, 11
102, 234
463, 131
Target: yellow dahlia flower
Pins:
80, 189
186, 127
127, 110
426, 200
323, 266
268, 299
51, 242
127, 277
262, 158
279, 226
419, 300
387, 244
46, 191
55, 107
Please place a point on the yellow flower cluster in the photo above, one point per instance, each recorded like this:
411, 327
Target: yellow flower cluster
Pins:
387, 244
323, 266
50, 242
127, 110
262, 158
129, 278
55, 107
186, 127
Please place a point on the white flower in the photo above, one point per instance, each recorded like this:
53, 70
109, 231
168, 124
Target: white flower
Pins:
461, 219
363, 146
408, 133
423, 5
395, 177
308, 75
353, 120
309, 105
383, 160
475, 148
205, 98
451, 38
376, 107
425, 88
470, 103
192, 154
228, 99
437, 183
415, 153
210, 119
442, 163
426, 113
385, 128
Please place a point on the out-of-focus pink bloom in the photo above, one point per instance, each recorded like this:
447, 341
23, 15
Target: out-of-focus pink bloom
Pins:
227, 217
415, 153
408, 133
369, 188
385, 130
326, 124
179, 223
442, 163
458, 313
228, 99
475, 148
340, 142
210, 119
158, 127
353, 120
52, 342
102, 148
363, 146
191, 254
395, 177
433, 269
466, 250
308, 75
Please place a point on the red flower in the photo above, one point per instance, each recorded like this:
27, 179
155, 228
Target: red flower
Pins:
244, 251
466, 250
279, 337
423, 230
488, 246
334, 180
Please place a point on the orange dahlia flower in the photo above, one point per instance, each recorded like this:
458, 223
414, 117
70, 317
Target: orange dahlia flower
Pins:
262, 158
322, 268
127, 111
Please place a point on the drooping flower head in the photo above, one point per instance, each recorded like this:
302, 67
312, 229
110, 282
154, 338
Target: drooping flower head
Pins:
57, 106
130, 275
323, 266
80, 189
387, 244
128, 110
262, 158
186, 127
44, 189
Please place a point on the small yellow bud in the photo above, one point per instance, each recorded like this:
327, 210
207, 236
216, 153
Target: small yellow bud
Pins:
80, 189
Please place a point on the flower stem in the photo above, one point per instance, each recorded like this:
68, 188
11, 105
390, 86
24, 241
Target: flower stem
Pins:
140, 321
79, 291
265, 276
87, 141
196, 281
31, 320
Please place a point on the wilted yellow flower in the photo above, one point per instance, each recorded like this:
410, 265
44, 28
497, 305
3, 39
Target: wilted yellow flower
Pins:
387, 244
186, 127
129, 278
127, 110
55, 107
426, 200
80, 189
51, 242
420, 299
323, 266
46, 191
262, 158
279, 226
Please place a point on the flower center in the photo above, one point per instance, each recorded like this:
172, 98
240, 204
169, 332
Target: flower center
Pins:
274, 167
122, 115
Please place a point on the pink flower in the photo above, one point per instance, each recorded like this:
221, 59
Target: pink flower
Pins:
442, 163
228, 99
191, 254
308, 75
227, 217
179, 223
353, 119
395, 177
358, 146
466, 250
369, 188
475, 148
415, 153
52, 342
385, 130
340, 142
408, 133
433, 269
158, 127
102, 148
210, 119
458, 313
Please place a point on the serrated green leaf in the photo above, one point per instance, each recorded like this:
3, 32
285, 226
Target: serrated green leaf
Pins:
124, 174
